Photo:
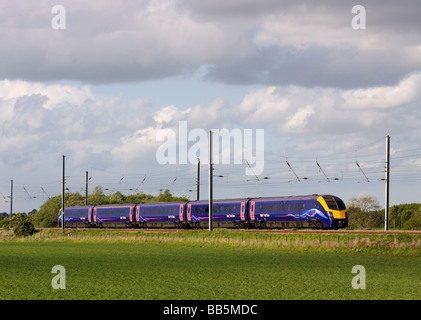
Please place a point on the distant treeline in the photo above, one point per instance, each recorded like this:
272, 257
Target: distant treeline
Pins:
364, 213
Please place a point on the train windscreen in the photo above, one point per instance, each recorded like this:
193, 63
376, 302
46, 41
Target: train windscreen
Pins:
340, 203
334, 203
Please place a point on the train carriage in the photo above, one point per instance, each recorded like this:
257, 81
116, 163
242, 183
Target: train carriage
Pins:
317, 212
161, 215
226, 213
77, 217
114, 216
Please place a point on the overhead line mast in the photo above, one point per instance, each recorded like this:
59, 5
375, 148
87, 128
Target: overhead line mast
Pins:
386, 205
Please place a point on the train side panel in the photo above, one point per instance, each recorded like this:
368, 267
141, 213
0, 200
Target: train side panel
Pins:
226, 214
114, 216
277, 212
163, 215
77, 217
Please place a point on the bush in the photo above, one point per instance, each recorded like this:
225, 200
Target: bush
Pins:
22, 226
4, 223
413, 223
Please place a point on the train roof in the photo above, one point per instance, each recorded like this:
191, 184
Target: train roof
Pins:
310, 196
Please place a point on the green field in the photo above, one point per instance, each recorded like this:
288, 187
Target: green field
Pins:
132, 267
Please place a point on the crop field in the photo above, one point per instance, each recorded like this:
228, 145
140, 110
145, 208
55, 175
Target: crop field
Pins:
228, 264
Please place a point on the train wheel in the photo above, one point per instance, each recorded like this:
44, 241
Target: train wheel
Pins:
319, 225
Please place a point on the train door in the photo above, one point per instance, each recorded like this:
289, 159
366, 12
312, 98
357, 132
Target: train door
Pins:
243, 211
189, 212
252, 208
181, 212
131, 214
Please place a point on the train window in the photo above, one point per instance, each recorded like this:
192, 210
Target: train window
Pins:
288, 207
331, 204
294, 206
341, 204
302, 206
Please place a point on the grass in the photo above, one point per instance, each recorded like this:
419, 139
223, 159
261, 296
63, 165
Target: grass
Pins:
223, 265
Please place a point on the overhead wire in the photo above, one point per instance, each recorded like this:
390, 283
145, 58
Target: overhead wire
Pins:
182, 178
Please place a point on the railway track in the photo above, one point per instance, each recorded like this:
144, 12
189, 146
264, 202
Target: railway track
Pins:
280, 231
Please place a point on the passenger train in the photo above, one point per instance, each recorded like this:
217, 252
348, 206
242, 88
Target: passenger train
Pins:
311, 211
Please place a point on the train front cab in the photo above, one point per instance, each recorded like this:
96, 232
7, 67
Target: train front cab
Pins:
336, 209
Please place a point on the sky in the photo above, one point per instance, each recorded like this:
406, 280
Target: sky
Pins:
128, 91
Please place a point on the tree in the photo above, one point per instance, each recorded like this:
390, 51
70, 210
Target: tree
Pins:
22, 226
413, 223
363, 212
97, 197
47, 215
401, 213
117, 198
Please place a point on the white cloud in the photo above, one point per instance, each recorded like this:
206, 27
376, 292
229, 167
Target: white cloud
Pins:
105, 42
56, 119
56, 94
331, 114
384, 97
300, 120
139, 145
264, 105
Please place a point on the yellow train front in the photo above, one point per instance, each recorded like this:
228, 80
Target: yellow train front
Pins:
312, 211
